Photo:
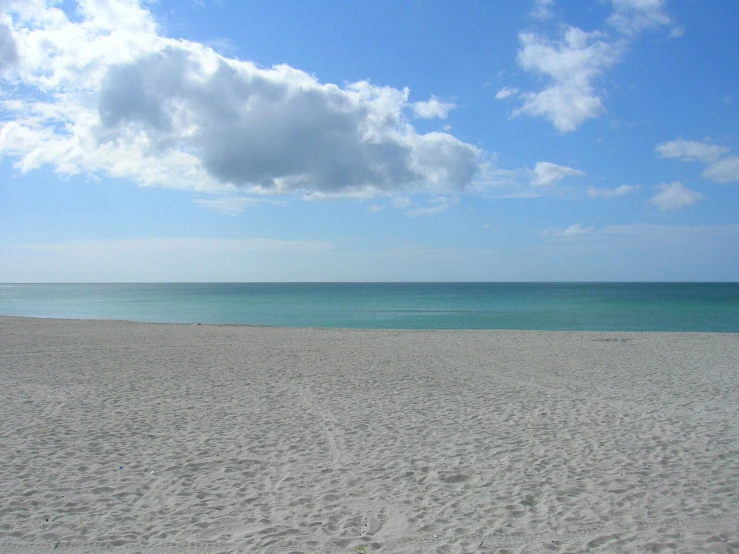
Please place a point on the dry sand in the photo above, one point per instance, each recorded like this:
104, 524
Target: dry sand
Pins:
131, 437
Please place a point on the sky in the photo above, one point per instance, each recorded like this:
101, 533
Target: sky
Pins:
224, 140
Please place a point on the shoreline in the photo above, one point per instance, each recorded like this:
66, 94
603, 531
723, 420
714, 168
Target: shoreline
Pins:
231, 438
364, 329
599, 307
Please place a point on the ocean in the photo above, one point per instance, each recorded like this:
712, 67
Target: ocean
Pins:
532, 306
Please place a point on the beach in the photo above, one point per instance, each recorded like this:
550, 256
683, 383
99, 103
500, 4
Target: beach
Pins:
123, 436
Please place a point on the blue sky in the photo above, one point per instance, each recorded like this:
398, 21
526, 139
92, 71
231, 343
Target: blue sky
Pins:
377, 141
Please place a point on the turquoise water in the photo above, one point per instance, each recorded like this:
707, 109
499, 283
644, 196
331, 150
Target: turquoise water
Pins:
543, 306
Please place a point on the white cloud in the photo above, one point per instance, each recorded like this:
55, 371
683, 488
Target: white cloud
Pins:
674, 196
571, 64
571, 231
432, 108
542, 9
612, 193
725, 170
546, 174
691, 150
374, 208
8, 48
222, 45
103, 93
523, 182
720, 168
577, 229
401, 202
229, 205
633, 16
438, 205
505, 92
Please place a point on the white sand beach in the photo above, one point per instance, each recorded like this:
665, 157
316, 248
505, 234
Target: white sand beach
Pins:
133, 437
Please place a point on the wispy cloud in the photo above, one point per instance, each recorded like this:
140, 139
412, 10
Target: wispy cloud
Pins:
240, 260
614, 252
401, 202
505, 92
437, 205
229, 205
633, 16
720, 167
523, 182
546, 174
618, 192
641, 252
222, 45
542, 9
571, 231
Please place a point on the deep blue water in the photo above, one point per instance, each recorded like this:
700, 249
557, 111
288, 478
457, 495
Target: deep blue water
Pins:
543, 306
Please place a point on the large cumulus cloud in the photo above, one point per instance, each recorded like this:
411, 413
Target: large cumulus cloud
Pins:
110, 95
277, 128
